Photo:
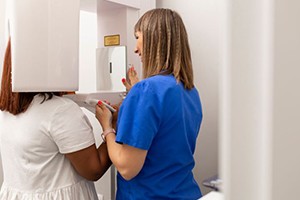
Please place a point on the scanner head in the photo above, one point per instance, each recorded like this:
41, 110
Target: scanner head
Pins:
45, 44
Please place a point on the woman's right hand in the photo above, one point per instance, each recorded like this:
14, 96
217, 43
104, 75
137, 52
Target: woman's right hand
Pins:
104, 116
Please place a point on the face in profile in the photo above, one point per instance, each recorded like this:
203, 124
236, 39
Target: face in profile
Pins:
139, 44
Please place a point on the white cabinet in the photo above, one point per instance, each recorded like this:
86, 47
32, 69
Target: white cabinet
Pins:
110, 68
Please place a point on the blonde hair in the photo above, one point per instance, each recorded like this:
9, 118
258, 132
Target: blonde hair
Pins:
165, 46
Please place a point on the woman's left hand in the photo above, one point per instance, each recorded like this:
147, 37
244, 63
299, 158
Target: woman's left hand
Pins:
133, 78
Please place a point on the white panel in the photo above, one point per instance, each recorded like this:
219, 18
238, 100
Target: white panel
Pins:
88, 5
45, 44
246, 99
129, 3
87, 56
111, 68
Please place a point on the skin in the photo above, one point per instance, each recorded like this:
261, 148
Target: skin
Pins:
91, 163
139, 44
133, 78
120, 154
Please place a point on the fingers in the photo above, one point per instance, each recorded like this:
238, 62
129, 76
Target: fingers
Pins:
126, 84
133, 78
132, 75
114, 120
104, 115
101, 108
101, 105
116, 106
131, 72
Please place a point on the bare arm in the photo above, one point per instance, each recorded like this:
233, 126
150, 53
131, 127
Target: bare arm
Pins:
127, 159
91, 163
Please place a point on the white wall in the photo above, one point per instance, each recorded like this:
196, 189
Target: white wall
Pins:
2, 51
202, 20
260, 100
120, 20
245, 104
2, 34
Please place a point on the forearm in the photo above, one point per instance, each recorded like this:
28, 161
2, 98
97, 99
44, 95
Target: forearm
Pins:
128, 160
91, 163
105, 161
115, 152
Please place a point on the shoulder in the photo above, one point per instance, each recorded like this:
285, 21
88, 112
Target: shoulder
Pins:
56, 104
157, 82
66, 105
153, 90
161, 79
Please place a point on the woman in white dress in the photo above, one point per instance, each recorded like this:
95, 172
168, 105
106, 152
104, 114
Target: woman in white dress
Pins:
47, 146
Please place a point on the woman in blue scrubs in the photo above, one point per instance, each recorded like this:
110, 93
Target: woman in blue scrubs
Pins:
159, 121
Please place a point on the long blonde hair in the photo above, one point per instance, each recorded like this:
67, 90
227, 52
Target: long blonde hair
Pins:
165, 46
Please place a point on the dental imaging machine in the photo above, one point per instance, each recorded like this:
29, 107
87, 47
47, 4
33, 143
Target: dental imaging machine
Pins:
45, 53
45, 40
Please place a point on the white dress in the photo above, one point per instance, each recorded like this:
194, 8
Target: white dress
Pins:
32, 147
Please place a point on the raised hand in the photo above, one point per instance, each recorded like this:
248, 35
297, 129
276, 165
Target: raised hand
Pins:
132, 78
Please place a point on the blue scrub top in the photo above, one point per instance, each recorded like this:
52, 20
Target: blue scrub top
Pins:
160, 116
